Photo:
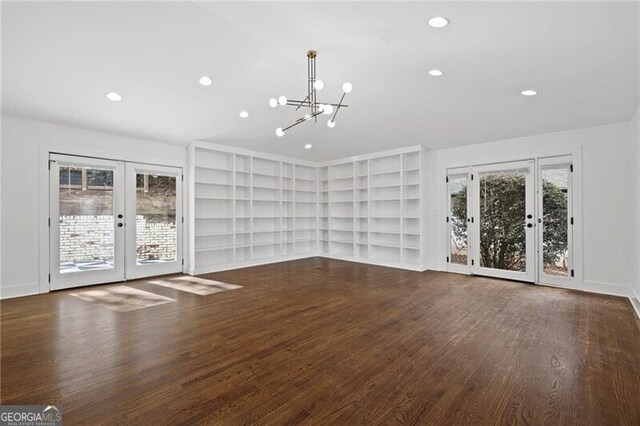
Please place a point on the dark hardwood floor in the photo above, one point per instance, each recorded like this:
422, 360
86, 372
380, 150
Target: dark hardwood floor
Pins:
318, 341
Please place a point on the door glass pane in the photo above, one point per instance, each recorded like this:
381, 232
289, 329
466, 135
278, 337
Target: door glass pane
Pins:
86, 219
156, 231
502, 220
555, 219
458, 219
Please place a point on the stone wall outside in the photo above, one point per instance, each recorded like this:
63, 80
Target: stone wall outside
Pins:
90, 237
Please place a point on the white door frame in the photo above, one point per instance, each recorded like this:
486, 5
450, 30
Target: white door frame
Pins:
456, 267
124, 196
572, 156
543, 278
529, 275
60, 281
133, 270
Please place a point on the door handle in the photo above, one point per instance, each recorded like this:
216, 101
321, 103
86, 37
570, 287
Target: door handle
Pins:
120, 225
529, 225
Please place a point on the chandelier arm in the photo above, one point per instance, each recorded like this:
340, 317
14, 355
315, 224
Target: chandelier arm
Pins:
303, 101
301, 120
292, 102
338, 107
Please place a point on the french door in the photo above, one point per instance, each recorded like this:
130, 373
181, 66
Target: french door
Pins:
512, 220
502, 221
112, 220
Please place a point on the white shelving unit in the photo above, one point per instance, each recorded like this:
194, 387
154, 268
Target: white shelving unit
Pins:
374, 209
305, 209
249, 208
341, 210
323, 210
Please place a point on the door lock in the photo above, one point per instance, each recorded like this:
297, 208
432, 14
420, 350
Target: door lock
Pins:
120, 216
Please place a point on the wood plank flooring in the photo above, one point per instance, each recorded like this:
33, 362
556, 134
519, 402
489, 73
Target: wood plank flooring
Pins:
321, 342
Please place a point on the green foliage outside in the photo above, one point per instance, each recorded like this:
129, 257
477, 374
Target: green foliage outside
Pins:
503, 221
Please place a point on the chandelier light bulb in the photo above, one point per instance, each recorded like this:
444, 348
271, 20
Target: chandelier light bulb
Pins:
308, 146
279, 132
282, 100
327, 109
318, 85
347, 87
273, 102
331, 124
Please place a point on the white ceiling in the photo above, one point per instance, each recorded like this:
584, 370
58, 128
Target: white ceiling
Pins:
59, 60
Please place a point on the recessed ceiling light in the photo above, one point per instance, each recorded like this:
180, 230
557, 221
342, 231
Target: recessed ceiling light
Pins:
529, 92
243, 114
436, 73
206, 80
438, 22
308, 146
113, 96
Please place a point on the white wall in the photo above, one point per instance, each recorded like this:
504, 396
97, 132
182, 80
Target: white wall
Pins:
25, 145
607, 207
610, 158
634, 165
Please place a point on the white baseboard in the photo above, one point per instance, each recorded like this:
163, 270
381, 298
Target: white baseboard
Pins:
437, 266
249, 264
368, 262
597, 287
20, 290
587, 286
635, 301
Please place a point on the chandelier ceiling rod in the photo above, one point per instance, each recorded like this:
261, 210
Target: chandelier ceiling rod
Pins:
311, 84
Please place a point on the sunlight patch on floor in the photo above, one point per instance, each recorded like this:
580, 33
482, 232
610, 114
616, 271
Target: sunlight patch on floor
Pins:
122, 298
199, 286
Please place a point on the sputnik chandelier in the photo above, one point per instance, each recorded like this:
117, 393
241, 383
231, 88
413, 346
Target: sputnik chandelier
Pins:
315, 108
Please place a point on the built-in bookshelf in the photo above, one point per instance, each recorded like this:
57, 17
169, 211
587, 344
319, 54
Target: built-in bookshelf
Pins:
250, 208
374, 210
323, 210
